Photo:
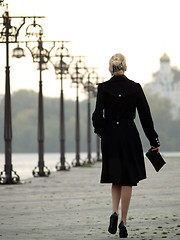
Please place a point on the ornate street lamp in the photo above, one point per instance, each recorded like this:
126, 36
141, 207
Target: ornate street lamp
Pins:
18, 52
34, 30
77, 78
41, 56
89, 86
8, 35
61, 66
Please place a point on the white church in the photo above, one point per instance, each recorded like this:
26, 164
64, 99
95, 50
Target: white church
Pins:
166, 83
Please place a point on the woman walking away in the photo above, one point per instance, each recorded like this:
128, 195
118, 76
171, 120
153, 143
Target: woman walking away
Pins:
122, 154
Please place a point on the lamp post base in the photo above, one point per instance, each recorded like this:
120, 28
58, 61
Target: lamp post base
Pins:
97, 159
78, 163
9, 179
64, 167
37, 173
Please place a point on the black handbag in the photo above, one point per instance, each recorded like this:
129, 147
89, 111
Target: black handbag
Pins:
156, 159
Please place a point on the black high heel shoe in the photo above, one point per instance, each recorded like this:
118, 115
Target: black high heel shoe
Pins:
113, 223
122, 230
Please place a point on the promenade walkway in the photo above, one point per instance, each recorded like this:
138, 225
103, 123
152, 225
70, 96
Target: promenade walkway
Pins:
74, 206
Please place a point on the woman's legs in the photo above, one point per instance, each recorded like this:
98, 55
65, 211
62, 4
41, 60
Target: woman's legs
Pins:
116, 196
124, 193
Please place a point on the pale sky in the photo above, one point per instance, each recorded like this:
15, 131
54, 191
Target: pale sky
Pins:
142, 30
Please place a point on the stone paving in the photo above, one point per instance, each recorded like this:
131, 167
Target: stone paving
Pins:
74, 206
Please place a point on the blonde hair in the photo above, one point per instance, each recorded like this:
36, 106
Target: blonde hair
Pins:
115, 61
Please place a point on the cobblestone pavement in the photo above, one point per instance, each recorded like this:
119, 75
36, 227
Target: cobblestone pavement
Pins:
73, 205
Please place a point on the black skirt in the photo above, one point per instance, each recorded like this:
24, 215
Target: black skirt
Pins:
122, 154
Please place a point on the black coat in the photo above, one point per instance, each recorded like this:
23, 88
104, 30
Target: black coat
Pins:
113, 121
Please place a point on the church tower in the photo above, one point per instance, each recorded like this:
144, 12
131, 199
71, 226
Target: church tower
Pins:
165, 76
165, 69
166, 84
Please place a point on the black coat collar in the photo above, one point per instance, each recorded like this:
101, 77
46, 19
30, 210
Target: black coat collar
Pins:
119, 85
118, 78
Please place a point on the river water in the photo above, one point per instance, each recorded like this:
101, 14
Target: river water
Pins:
23, 164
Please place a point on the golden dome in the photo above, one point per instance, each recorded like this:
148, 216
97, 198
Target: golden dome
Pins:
165, 58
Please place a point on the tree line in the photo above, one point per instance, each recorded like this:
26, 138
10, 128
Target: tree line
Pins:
25, 119
24, 123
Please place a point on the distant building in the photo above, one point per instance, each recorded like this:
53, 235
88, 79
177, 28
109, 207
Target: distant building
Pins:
166, 83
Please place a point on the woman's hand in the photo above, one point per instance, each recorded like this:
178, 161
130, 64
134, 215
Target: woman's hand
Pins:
155, 148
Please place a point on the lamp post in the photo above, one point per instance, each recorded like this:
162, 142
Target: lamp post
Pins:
77, 78
8, 34
61, 66
92, 78
41, 56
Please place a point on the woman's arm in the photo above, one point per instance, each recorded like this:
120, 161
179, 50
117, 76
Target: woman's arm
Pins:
146, 118
97, 116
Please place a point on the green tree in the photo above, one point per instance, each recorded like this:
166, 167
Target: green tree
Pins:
24, 123
163, 122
